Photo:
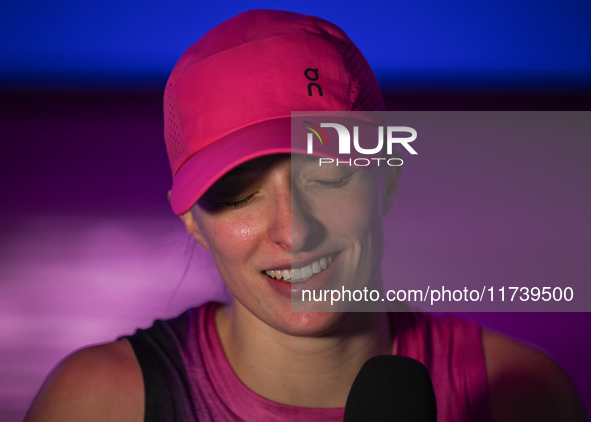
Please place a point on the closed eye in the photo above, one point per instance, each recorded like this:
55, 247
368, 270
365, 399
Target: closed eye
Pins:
331, 183
335, 183
214, 203
240, 202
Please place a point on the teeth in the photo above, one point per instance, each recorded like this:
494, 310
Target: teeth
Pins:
300, 274
316, 267
307, 271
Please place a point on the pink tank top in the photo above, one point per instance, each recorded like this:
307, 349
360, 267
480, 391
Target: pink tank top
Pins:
188, 383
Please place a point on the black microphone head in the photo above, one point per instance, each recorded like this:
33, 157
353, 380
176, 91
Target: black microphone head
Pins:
392, 388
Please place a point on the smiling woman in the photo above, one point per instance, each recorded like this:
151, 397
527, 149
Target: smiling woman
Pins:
275, 224
307, 224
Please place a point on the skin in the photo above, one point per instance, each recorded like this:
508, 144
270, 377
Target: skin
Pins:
302, 359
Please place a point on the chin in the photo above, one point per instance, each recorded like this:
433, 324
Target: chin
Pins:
309, 324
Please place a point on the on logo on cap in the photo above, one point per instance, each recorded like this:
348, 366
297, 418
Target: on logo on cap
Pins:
311, 84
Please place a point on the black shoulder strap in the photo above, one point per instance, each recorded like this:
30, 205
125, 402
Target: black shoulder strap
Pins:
166, 384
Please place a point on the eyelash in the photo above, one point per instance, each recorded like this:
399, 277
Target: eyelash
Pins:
331, 183
334, 183
240, 203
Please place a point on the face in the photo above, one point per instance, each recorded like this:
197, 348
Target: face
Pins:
278, 217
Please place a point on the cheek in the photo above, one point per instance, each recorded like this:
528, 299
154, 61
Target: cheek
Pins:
357, 221
246, 233
357, 214
232, 243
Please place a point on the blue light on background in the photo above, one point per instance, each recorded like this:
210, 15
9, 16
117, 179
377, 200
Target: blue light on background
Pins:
543, 44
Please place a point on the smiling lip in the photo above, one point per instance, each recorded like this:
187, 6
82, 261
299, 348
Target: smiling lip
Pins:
299, 274
289, 288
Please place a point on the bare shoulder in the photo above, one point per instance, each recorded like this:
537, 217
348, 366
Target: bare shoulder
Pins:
528, 385
97, 383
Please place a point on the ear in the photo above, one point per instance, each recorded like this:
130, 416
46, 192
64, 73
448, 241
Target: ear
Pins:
391, 174
189, 221
191, 226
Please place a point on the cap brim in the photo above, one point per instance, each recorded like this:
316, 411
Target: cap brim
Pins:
207, 166
270, 137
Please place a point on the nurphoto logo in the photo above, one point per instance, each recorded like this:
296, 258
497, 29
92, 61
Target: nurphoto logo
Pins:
345, 143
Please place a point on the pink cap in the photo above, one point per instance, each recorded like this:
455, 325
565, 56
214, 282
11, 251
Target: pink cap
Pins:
230, 96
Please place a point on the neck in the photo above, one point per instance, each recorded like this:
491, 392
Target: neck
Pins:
301, 371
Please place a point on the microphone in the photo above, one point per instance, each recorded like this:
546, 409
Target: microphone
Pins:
391, 388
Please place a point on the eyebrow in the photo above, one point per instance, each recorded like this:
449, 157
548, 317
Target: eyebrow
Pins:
246, 174
306, 158
238, 174
234, 182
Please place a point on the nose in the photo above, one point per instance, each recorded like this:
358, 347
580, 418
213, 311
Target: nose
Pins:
294, 227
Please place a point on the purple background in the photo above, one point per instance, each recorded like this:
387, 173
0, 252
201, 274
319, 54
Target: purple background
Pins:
493, 199
89, 249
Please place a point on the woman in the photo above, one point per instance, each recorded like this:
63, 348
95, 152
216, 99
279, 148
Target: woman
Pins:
274, 223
